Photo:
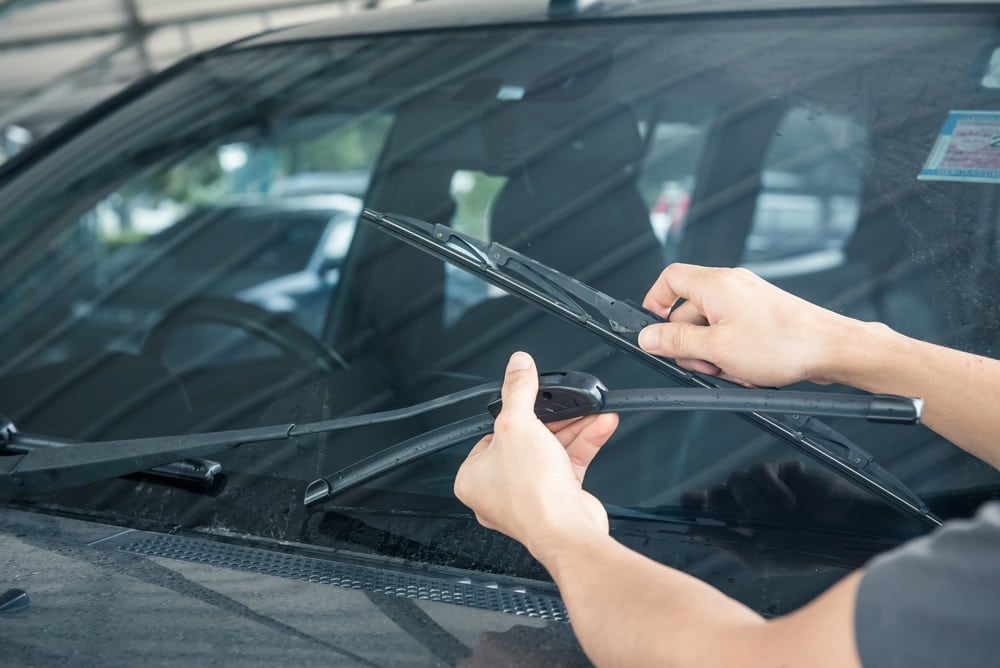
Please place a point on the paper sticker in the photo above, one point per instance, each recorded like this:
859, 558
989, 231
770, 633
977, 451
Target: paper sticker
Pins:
968, 149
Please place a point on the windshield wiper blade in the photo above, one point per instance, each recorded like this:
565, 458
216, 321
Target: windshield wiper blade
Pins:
579, 394
619, 322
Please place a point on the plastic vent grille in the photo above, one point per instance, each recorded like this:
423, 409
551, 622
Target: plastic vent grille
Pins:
486, 595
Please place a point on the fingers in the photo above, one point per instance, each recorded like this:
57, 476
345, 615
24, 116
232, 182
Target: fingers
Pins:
567, 430
481, 446
688, 312
520, 387
700, 366
582, 448
677, 280
680, 340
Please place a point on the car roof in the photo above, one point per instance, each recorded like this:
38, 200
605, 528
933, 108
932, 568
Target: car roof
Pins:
449, 14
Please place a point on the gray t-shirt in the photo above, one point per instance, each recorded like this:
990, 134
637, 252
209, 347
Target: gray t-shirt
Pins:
936, 600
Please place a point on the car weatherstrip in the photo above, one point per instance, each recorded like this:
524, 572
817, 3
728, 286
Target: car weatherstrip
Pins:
619, 322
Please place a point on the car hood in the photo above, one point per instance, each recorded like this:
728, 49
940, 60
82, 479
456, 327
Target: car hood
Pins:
103, 596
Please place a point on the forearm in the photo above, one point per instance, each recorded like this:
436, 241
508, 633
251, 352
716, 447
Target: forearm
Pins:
959, 389
628, 610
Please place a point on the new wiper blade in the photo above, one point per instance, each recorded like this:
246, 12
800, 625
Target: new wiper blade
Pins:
572, 394
618, 322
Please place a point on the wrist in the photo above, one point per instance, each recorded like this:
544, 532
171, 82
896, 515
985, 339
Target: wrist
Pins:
857, 353
559, 551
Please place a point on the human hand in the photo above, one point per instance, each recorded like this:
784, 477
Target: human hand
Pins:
525, 480
739, 327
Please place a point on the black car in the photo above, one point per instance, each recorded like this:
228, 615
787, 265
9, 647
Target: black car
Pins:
844, 150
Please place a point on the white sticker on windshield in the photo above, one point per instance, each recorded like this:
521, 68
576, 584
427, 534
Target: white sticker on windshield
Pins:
968, 149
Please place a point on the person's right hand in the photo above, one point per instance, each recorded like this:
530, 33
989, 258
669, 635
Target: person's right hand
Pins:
739, 327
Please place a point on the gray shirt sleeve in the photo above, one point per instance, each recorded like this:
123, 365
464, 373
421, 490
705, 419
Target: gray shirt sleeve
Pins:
935, 601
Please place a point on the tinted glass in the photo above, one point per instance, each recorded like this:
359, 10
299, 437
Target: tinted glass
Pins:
794, 146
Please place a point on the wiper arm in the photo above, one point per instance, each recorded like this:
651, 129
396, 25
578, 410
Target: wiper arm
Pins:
199, 472
44, 463
572, 394
562, 395
619, 322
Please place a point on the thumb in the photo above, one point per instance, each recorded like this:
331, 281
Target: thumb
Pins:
677, 339
520, 386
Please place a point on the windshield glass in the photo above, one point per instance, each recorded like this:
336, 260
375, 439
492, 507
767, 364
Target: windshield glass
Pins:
192, 261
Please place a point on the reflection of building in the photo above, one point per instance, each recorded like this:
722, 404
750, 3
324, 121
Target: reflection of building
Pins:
61, 57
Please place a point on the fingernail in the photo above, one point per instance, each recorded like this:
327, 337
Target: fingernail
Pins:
518, 361
648, 338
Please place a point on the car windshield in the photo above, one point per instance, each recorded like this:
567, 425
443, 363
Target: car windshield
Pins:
191, 260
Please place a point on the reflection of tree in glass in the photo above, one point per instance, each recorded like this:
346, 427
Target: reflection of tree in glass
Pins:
352, 146
474, 193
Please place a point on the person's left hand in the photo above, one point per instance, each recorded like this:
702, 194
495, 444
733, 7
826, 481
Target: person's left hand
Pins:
527, 481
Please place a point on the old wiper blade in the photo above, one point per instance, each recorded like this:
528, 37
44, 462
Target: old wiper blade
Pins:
34, 463
618, 322
572, 394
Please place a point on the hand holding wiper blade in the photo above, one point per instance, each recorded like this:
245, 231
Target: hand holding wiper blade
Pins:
572, 394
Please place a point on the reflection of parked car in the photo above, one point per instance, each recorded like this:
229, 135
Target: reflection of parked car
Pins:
575, 122
283, 256
304, 293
